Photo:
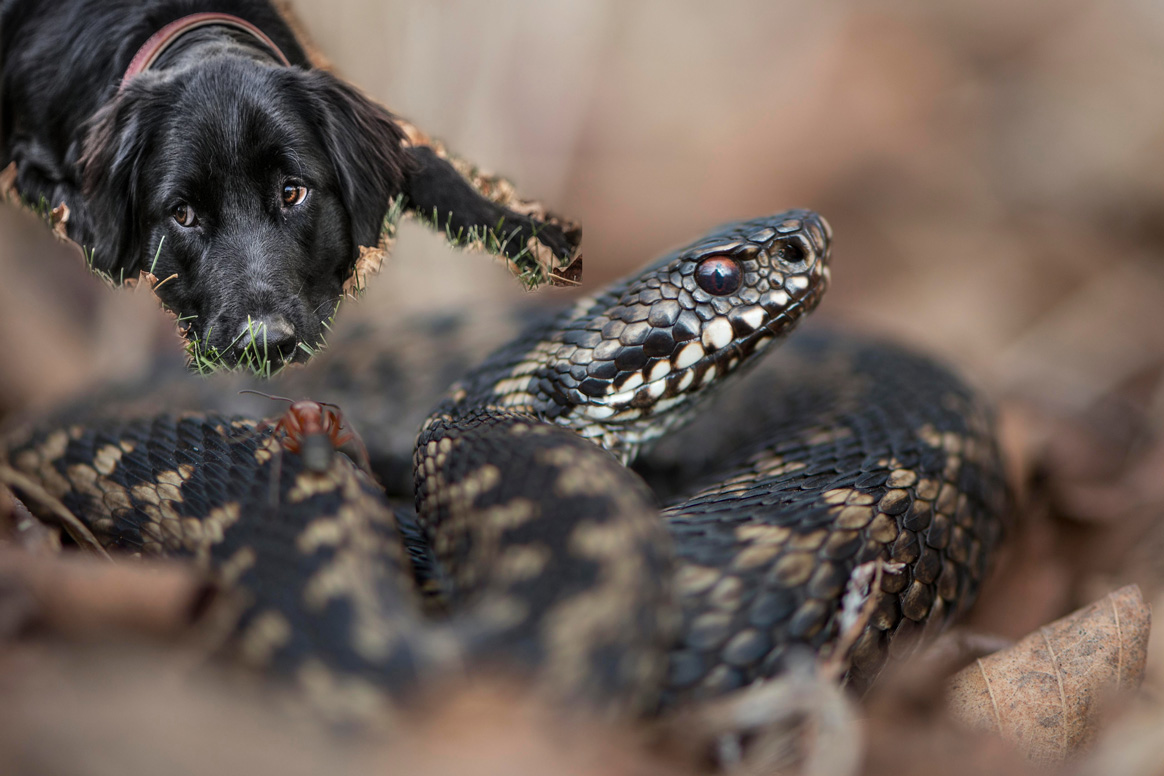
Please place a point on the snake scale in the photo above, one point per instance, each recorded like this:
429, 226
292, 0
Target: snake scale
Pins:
825, 499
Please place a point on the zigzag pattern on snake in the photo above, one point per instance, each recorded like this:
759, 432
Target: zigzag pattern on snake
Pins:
838, 470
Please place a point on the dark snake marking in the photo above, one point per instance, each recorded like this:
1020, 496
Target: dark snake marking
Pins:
834, 458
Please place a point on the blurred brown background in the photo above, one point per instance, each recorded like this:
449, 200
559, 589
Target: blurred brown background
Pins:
994, 173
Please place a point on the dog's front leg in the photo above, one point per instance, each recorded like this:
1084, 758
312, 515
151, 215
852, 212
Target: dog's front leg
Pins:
39, 179
44, 185
441, 195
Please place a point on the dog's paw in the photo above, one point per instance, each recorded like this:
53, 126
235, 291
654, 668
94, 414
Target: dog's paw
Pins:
562, 243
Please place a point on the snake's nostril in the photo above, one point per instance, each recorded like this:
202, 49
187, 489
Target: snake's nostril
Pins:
793, 251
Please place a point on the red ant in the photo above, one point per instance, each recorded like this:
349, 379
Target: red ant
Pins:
314, 430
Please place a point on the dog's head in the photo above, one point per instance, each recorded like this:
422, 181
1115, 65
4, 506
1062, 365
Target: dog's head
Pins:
246, 190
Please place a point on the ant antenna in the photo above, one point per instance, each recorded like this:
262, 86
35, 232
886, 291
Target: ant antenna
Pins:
289, 401
267, 396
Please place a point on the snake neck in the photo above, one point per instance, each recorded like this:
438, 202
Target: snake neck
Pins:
626, 366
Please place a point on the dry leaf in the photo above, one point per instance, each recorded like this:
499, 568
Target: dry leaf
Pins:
8, 185
83, 596
19, 527
59, 218
1045, 694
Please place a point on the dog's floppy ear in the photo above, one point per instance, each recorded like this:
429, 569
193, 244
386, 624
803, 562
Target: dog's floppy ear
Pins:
113, 163
364, 143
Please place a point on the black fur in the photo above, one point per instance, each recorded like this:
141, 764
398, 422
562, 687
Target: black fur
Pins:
220, 125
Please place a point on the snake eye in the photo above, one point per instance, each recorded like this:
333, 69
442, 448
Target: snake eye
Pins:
184, 215
293, 194
718, 275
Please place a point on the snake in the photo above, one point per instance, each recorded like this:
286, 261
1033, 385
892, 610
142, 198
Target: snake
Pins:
633, 504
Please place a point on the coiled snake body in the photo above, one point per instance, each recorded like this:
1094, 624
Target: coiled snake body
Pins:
843, 492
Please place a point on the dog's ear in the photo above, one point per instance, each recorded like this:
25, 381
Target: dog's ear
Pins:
364, 143
113, 163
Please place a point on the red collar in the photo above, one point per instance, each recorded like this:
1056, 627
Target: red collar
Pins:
166, 36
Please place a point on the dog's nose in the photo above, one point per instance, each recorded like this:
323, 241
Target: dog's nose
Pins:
267, 338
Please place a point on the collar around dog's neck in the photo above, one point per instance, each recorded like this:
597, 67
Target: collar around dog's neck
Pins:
168, 35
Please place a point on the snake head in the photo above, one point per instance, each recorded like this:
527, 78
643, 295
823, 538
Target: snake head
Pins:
632, 358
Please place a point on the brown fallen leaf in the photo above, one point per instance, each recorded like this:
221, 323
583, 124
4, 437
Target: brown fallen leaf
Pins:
1045, 694
8, 185
83, 596
59, 218
19, 527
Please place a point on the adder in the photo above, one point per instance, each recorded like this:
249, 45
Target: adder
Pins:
824, 499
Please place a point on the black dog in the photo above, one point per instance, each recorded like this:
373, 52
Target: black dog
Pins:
206, 149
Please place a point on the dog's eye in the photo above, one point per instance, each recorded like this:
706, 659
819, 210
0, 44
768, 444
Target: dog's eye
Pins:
184, 215
293, 194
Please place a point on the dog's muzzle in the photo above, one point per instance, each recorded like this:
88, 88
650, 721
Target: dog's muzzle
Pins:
267, 338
